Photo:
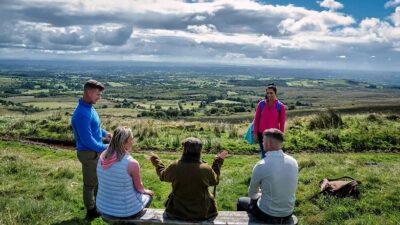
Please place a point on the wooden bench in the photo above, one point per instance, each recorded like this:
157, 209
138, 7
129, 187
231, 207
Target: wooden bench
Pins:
157, 216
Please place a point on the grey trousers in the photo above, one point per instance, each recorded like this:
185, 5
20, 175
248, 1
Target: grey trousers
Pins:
89, 160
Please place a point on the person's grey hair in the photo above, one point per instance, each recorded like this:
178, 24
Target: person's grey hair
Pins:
116, 146
93, 84
192, 146
275, 134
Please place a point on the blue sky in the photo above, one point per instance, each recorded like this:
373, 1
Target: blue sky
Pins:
359, 9
337, 34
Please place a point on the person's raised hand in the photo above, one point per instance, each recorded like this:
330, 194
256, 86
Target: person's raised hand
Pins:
222, 154
149, 156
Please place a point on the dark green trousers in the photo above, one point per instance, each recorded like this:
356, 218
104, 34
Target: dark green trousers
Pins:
89, 160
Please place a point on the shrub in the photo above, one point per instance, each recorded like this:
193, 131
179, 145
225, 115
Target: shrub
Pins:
325, 120
206, 144
333, 137
392, 117
373, 118
232, 131
174, 142
215, 145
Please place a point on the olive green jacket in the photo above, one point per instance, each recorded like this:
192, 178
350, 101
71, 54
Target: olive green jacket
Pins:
190, 198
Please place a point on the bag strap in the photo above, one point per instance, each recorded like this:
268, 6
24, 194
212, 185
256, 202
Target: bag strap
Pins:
278, 108
262, 106
348, 177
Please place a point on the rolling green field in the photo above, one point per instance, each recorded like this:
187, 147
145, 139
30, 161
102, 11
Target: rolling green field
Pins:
41, 185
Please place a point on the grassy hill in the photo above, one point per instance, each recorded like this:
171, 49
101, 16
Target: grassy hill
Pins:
40, 185
326, 131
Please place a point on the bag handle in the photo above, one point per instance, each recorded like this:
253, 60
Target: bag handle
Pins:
312, 198
348, 177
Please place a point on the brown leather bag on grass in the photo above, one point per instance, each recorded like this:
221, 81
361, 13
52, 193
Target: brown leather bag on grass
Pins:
339, 188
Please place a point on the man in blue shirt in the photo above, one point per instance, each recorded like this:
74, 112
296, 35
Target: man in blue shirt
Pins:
89, 141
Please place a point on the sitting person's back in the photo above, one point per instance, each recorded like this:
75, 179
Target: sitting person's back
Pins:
190, 178
121, 193
276, 175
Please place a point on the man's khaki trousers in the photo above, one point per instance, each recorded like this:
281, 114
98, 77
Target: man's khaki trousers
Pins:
89, 160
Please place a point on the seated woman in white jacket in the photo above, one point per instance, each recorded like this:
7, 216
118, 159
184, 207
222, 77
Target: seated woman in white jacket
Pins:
121, 193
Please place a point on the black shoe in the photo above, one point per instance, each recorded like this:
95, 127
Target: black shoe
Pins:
92, 214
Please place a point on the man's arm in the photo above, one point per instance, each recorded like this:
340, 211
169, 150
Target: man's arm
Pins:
106, 135
255, 183
103, 133
82, 127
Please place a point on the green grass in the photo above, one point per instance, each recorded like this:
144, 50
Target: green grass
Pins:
5, 81
118, 84
52, 105
39, 185
30, 92
319, 83
225, 102
357, 133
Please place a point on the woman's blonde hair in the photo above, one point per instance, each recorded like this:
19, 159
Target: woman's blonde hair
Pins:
116, 146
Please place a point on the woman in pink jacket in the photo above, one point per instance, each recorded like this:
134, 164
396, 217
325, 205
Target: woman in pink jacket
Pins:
270, 113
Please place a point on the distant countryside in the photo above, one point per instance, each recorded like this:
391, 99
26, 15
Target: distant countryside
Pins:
324, 115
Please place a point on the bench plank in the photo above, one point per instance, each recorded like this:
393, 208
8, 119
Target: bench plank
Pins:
157, 216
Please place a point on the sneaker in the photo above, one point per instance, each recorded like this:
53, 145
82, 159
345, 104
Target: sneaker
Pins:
92, 214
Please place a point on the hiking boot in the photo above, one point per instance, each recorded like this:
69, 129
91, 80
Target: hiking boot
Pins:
92, 214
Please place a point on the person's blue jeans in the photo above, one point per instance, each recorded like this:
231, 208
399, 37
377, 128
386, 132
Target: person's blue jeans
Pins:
260, 142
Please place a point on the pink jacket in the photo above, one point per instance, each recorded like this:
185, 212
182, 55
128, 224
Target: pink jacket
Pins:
269, 117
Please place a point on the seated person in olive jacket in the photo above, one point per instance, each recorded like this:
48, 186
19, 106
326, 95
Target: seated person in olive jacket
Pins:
190, 198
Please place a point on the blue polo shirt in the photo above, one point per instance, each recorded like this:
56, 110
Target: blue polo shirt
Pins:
87, 131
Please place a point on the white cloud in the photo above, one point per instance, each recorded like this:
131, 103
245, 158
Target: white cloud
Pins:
395, 17
221, 30
392, 3
330, 4
314, 22
209, 28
